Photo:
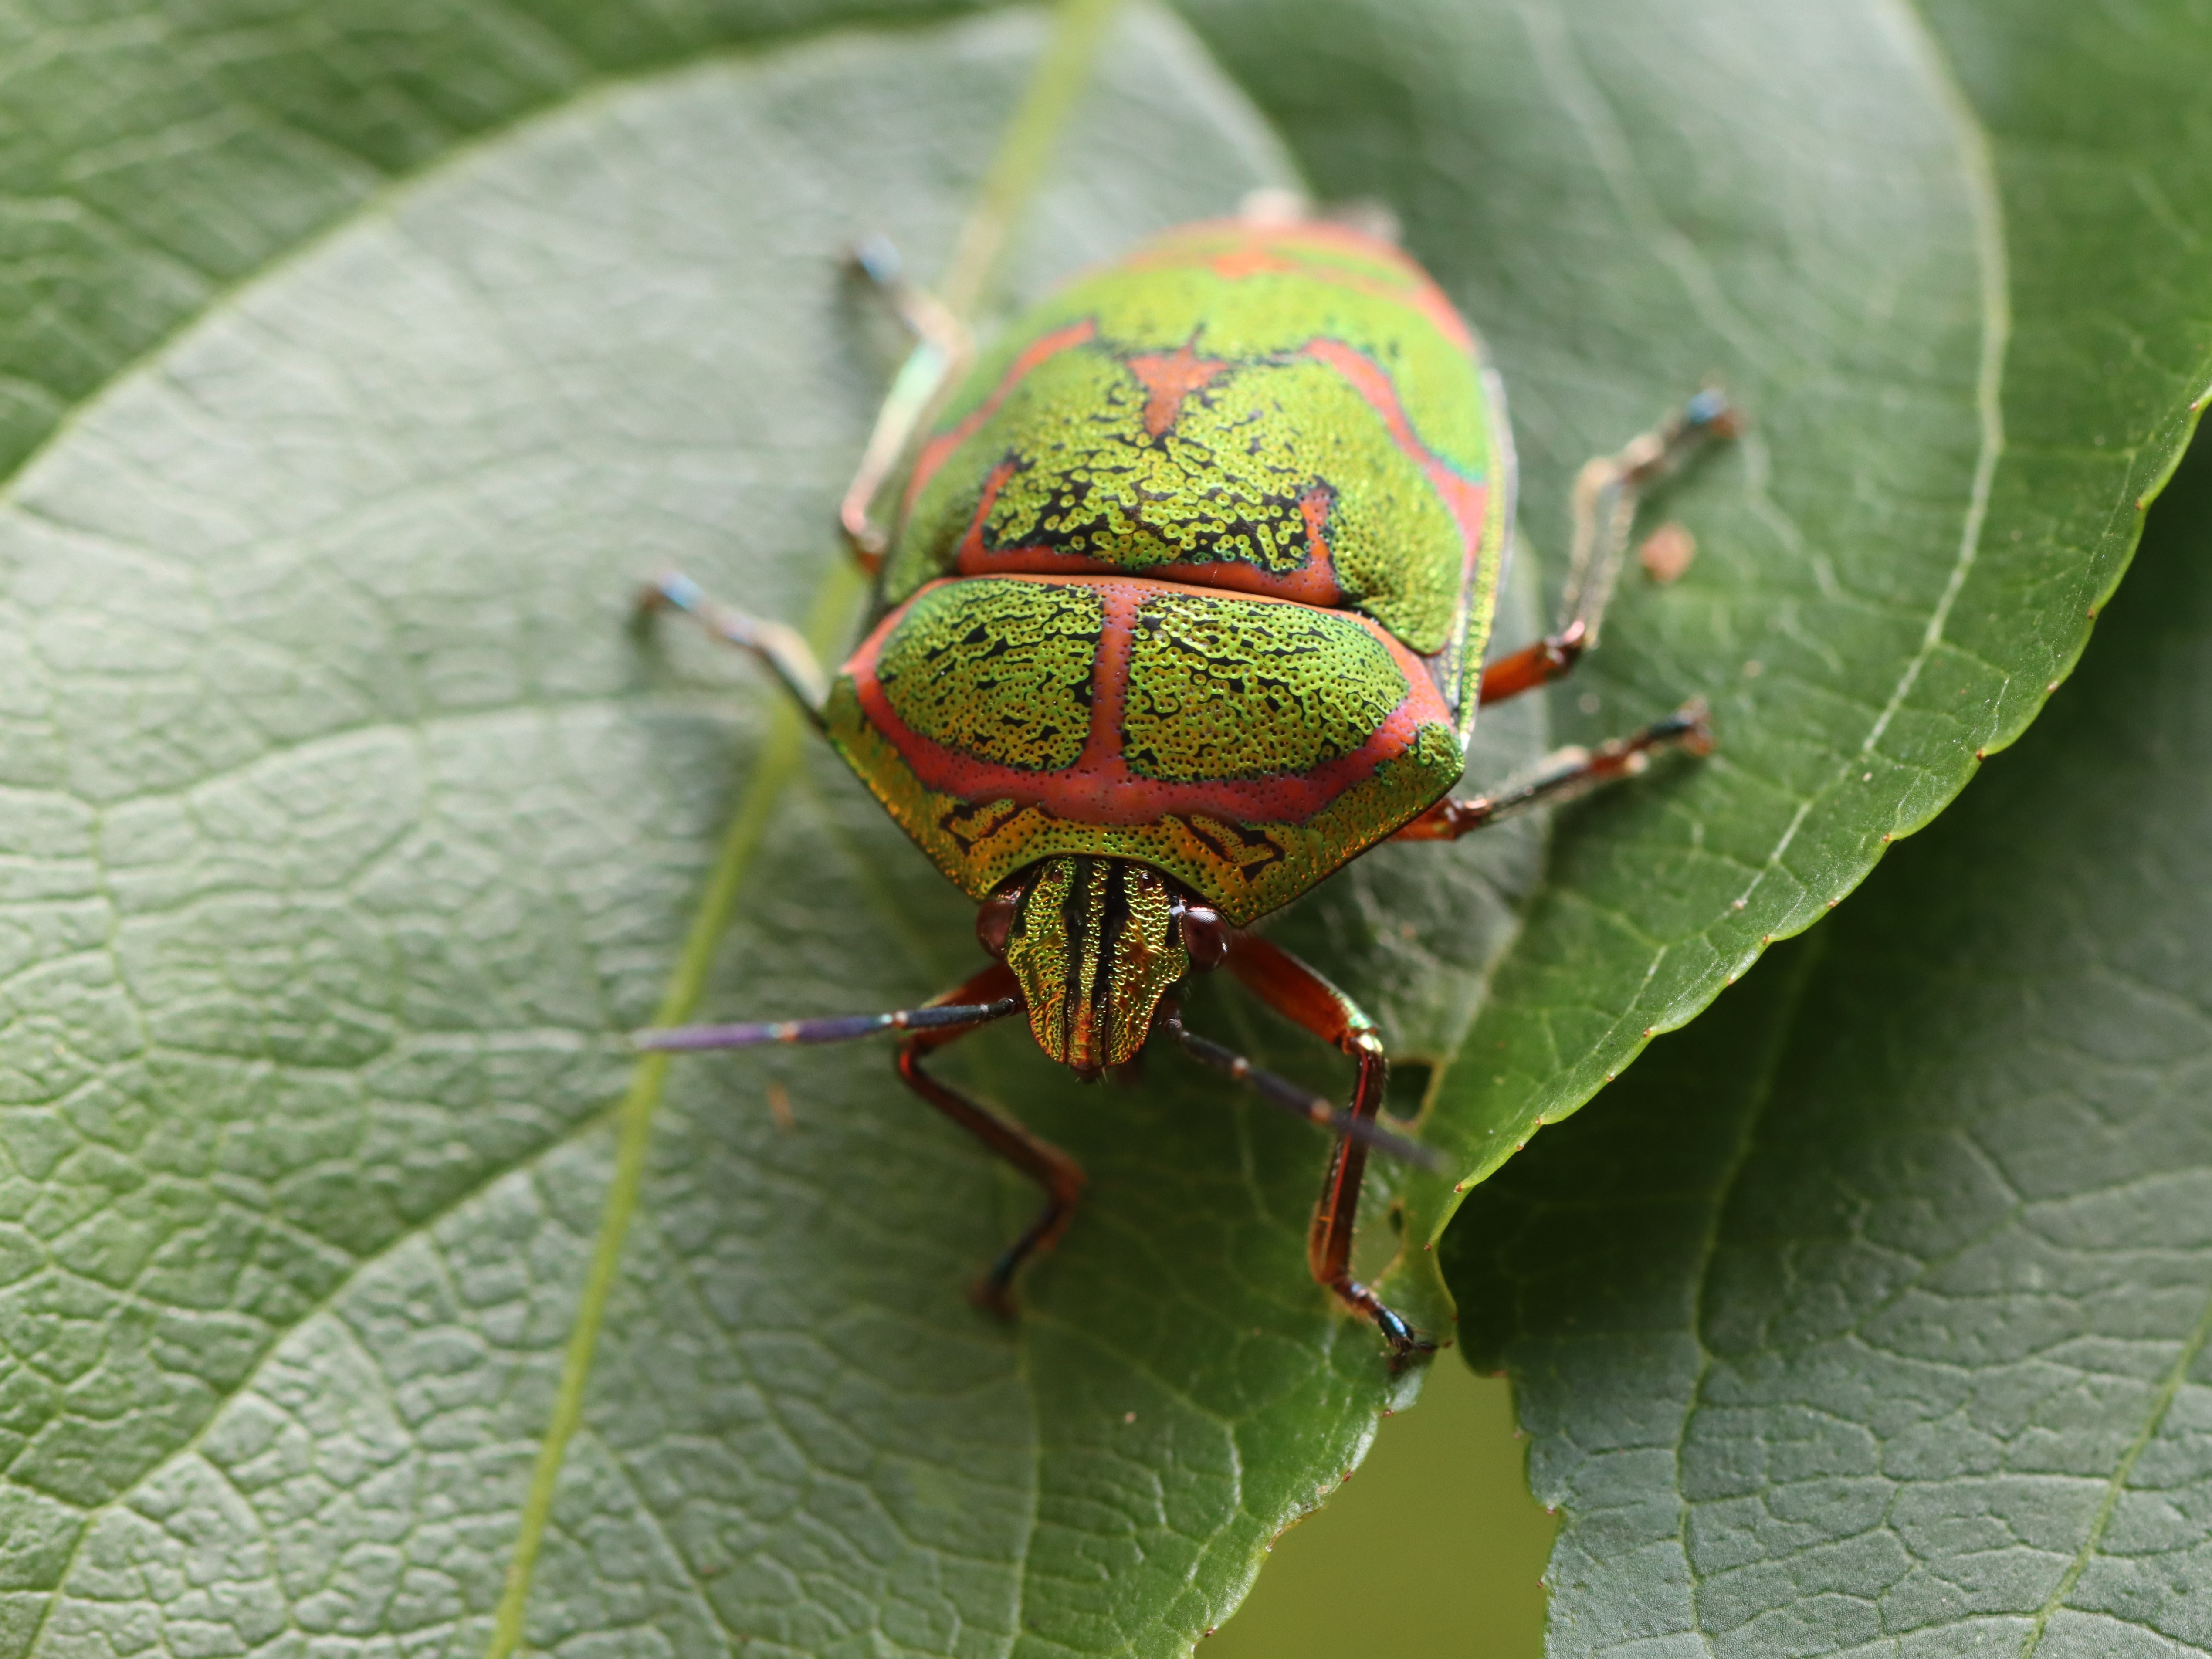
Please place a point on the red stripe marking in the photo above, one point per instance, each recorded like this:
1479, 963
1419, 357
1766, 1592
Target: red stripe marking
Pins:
1312, 583
1272, 249
1467, 498
1255, 260
1099, 788
1313, 507
1167, 378
1109, 678
972, 550
1045, 347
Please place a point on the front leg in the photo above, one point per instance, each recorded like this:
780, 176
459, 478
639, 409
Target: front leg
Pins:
1053, 1170
992, 995
1303, 997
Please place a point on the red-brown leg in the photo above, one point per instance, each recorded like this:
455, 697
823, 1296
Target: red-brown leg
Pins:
991, 995
1533, 665
1606, 494
1287, 1097
1569, 772
1059, 1176
1303, 997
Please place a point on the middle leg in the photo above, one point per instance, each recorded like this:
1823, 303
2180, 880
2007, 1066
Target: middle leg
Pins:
1566, 775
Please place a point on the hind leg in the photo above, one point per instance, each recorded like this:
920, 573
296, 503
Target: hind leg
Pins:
1606, 494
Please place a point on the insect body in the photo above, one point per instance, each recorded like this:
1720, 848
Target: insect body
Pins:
1191, 572
1185, 608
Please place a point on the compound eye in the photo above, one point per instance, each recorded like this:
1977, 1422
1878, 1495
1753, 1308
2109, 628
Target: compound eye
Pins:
1206, 936
994, 922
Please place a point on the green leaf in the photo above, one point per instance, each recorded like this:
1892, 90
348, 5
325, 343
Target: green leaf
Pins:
157, 154
349, 828
1870, 1314
365, 354
1948, 266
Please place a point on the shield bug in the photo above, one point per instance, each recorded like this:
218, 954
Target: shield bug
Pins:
1185, 606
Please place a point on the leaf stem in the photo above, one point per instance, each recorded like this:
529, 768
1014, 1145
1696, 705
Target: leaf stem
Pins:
1014, 175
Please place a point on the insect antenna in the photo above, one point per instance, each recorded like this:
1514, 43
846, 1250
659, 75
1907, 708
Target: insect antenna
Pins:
839, 1029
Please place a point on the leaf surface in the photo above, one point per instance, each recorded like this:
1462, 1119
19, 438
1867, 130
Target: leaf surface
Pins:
157, 155
375, 349
1946, 262
349, 830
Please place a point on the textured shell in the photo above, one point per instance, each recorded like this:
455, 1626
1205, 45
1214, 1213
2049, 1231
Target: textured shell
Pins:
1247, 746
1288, 410
1222, 526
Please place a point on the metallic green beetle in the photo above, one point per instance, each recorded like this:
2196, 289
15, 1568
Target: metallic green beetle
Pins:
1185, 607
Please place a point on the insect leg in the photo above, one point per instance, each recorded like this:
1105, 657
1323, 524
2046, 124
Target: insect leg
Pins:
1059, 1176
1303, 997
1607, 493
941, 349
990, 995
1533, 665
1567, 774
1287, 1096
951, 1018
782, 647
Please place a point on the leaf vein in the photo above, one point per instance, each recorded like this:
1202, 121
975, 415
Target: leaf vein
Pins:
2169, 1389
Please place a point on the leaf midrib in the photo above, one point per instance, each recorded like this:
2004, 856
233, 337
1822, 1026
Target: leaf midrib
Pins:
382, 201
741, 844
1055, 81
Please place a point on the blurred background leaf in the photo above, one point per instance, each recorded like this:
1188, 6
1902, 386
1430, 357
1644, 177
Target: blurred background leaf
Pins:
1435, 1549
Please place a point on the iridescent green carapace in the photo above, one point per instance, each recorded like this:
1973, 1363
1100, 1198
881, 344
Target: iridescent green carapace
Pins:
1195, 568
